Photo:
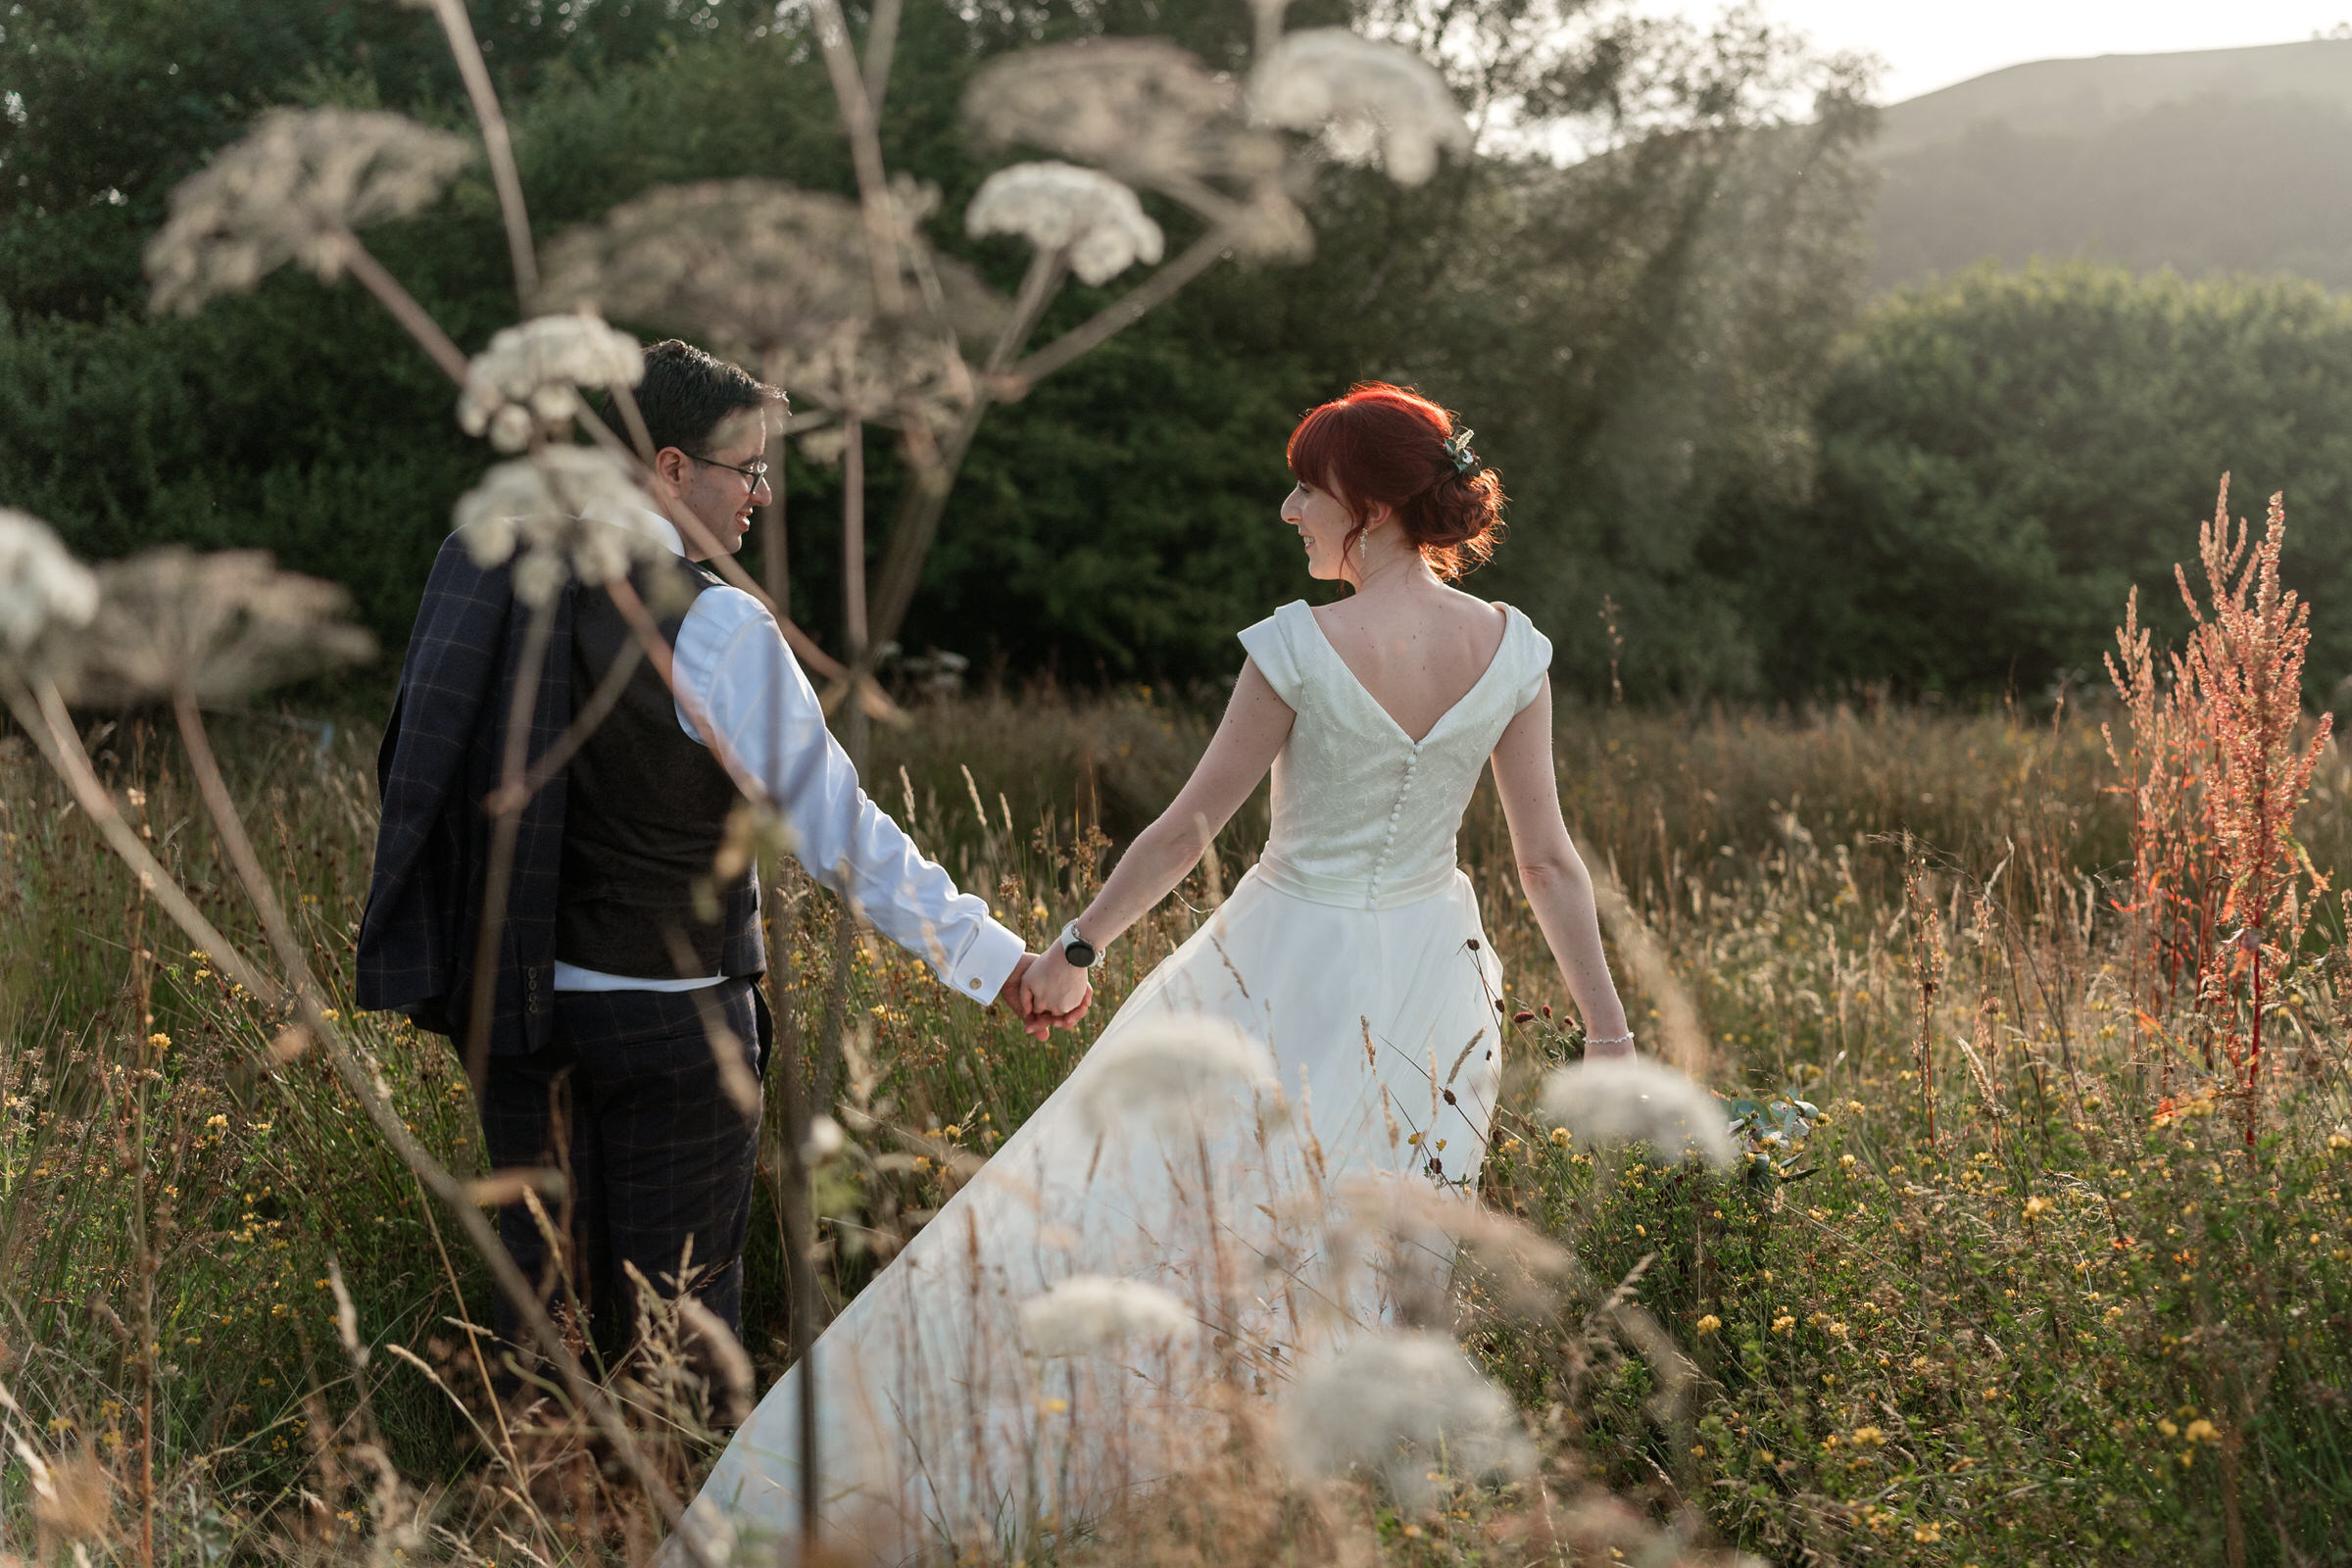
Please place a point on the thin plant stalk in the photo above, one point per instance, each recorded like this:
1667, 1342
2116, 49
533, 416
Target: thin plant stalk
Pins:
1128, 309
775, 550
231, 828
866, 155
362, 263
881, 42
853, 536
795, 1208
496, 141
142, 1238
506, 828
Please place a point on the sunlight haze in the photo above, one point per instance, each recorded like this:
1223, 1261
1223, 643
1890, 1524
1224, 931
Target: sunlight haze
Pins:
1926, 47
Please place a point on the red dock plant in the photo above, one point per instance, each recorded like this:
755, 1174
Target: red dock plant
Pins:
2218, 763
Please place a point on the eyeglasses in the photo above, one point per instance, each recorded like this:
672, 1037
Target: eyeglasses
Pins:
757, 473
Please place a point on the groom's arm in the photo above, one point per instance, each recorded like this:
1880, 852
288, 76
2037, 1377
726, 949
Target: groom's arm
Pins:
732, 666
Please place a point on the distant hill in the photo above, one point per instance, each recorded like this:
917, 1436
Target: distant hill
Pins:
2232, 160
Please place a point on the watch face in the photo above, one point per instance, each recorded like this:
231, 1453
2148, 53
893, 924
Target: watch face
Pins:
1080, 954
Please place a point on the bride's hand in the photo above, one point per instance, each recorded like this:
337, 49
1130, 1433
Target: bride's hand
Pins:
1053, 985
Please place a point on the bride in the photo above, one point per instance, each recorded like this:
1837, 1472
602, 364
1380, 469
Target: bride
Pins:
1166, 1233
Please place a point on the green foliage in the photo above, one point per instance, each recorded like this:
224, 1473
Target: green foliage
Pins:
2005, 455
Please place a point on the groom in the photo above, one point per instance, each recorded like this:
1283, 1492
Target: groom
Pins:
623, 947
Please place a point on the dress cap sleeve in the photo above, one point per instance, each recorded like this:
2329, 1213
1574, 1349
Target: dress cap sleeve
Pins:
1535, 658
1270, 646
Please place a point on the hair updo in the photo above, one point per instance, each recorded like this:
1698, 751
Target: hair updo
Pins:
1386, 445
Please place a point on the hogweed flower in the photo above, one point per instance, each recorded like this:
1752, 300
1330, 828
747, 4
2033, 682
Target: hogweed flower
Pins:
1403, 1405
1089, 1311
215, 625
1140, 108
529, 377
1633, 1100
568, 510
1174, 1073
43, 589
751, 263
292, 190
1061, 206
1367, 98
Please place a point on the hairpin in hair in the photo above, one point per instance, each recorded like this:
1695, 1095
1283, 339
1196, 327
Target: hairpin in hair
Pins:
1458, 450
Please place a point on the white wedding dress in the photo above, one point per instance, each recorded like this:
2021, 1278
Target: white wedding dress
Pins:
1349, 990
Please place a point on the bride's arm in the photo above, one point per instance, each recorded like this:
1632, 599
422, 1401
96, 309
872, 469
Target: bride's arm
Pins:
1552, 874
1257, 722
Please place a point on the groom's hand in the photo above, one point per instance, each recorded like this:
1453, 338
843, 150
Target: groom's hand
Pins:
1037, 1021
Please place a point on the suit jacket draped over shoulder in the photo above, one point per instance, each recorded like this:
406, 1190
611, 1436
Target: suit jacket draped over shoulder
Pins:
439, 763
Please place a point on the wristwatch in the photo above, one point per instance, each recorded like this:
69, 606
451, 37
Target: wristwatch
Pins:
1081, 953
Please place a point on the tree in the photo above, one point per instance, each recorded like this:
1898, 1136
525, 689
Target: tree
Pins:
2005, 456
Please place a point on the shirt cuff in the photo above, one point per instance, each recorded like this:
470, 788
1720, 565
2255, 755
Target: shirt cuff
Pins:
986, 962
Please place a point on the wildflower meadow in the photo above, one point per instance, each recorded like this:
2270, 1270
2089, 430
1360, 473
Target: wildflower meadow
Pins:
2023, 1255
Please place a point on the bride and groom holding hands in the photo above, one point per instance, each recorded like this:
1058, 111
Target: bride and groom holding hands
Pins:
1335, 1021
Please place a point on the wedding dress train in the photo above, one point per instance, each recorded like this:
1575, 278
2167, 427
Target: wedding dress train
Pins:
1336, 1019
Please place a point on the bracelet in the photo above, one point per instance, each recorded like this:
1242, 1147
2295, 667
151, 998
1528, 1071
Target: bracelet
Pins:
1625, 1039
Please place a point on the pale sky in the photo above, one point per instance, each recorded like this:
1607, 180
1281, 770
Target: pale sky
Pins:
1927, 44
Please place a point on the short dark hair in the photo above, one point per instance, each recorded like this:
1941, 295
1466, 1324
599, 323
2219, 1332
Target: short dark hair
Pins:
687, 394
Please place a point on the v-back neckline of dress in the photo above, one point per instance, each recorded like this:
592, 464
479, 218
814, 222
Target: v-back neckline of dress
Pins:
1493, 662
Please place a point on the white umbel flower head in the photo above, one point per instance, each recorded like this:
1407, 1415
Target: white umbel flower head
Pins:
1402, 1405
568, 510
1089, 1311
1061, 206
290, 191
1172, 1074
1631, 1099
529, 377
42, 588
1368, 97
216, 624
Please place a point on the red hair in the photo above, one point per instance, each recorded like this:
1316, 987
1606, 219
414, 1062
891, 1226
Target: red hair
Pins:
1386, 445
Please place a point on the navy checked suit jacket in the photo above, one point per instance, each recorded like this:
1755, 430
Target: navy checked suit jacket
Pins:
438, 764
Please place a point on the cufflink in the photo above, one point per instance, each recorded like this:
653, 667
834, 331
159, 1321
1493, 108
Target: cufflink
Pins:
974, 983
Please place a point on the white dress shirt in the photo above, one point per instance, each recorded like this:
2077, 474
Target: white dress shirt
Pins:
731, 664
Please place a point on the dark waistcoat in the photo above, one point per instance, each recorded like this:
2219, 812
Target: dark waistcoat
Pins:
645, 813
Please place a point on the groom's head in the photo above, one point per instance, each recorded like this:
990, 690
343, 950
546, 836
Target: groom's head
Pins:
707, 422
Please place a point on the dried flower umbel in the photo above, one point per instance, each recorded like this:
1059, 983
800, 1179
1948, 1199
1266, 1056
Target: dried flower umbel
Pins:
213, 625
527, 381
292, 190
1061, 206
1172, 1074
1367, 98
1632, 1099
43, 589
1403, 1406
747, 264
1140, 108
569, 510
1092, 1311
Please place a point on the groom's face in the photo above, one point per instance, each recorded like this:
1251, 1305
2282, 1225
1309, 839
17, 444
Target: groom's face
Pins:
721, 497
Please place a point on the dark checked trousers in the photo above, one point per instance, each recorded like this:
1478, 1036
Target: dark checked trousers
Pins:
627, 1100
